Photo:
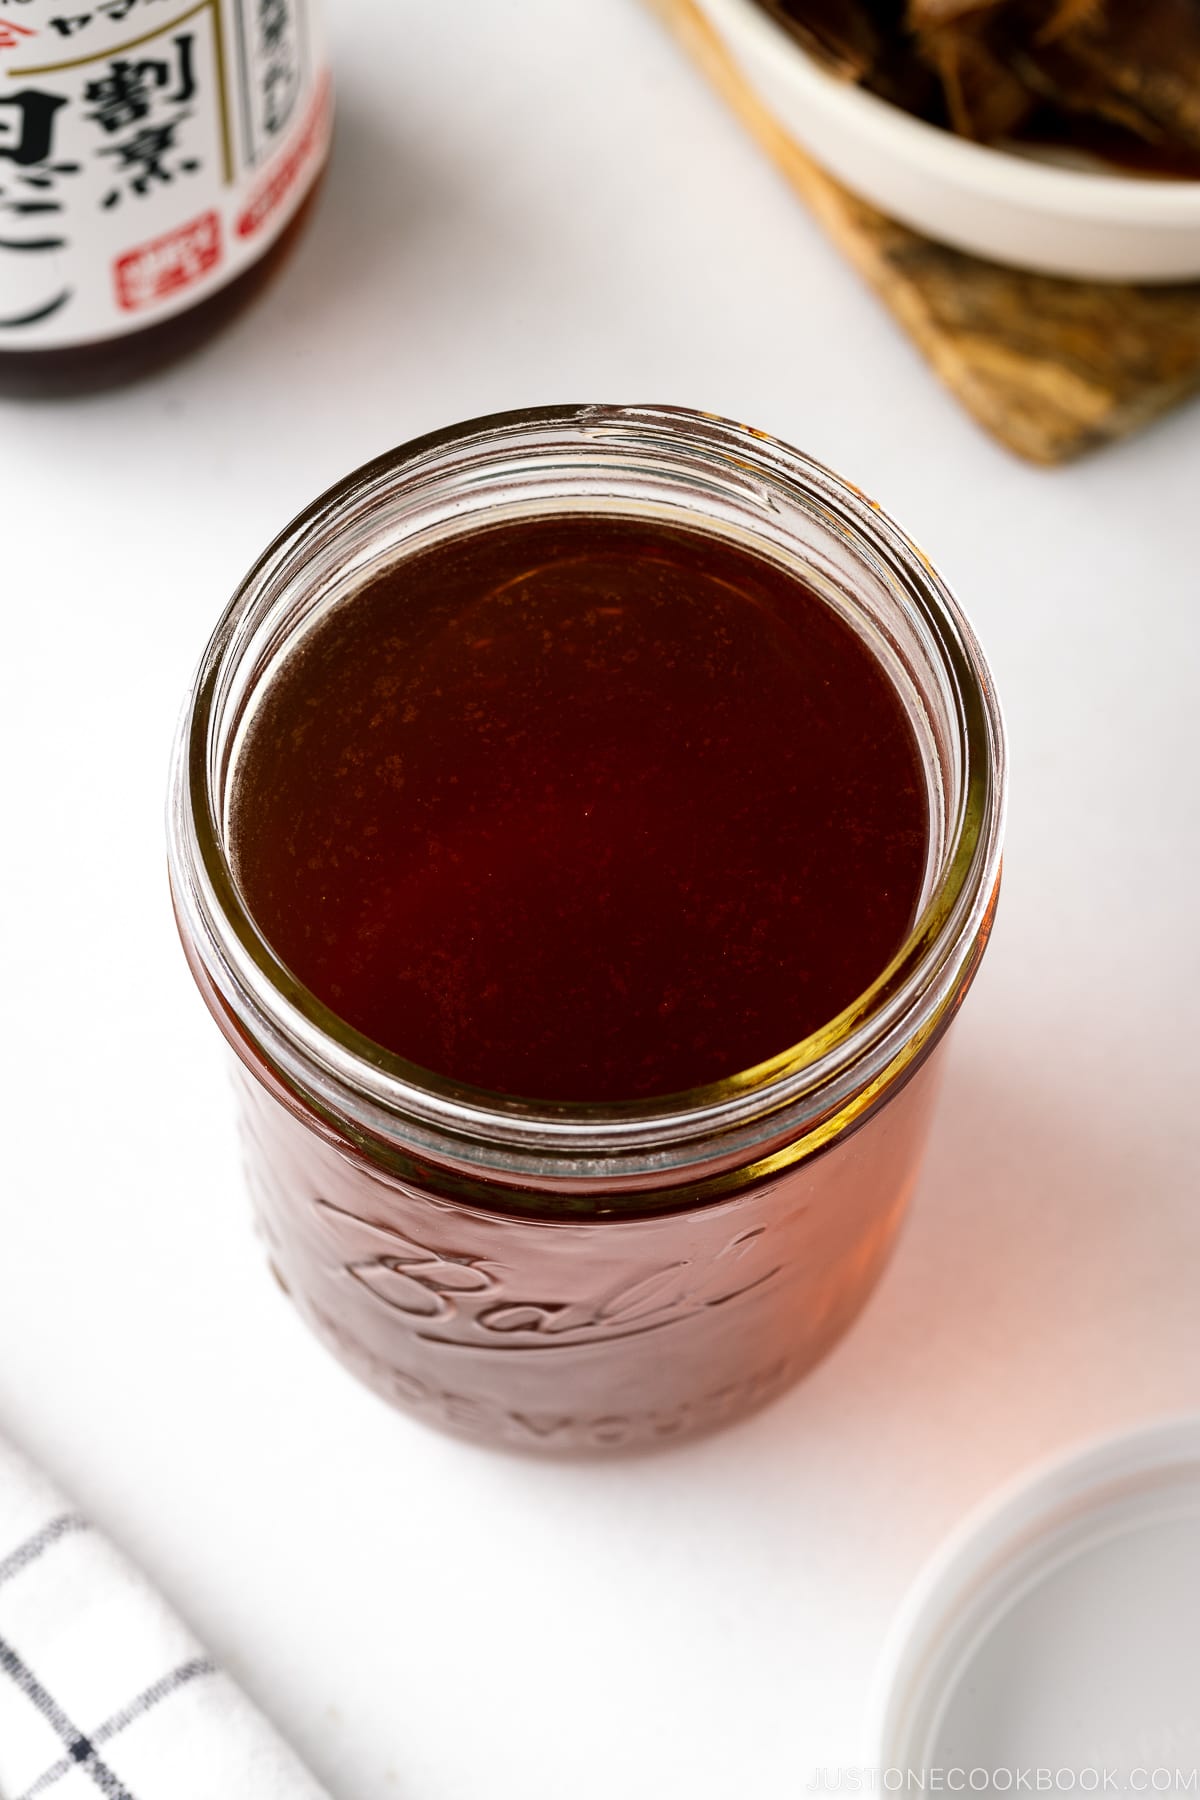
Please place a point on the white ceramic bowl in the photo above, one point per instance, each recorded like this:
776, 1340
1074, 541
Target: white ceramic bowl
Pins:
1012, 208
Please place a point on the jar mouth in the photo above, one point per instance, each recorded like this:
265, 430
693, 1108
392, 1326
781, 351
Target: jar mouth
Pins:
663, 462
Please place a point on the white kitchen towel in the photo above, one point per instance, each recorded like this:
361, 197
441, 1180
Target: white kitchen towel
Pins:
102, 1690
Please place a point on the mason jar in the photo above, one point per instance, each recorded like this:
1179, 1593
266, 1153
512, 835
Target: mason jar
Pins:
566, 1277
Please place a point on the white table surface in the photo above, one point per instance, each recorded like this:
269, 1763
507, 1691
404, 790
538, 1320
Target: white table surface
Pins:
538, 202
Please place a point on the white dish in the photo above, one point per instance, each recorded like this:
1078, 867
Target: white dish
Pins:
1057, 1630
1011, 208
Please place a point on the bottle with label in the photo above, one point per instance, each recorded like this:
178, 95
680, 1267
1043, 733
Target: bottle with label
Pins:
156, 157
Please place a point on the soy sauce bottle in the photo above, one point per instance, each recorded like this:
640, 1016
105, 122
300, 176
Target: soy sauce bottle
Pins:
157, 158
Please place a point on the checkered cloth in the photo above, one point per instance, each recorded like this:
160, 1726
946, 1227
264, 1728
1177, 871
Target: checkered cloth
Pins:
102, 1690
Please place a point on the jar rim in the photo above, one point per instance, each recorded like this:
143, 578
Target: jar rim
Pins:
799, 1096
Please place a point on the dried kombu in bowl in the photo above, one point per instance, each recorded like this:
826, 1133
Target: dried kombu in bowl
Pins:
1121, 80
1060, 136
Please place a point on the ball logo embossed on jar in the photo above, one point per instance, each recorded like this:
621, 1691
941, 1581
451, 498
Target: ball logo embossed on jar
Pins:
466, 1300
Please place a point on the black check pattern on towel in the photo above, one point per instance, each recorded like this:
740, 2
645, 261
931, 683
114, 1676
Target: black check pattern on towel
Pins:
80, 1749
103, 1689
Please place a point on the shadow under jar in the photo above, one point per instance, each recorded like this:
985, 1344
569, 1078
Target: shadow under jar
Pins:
590, 1265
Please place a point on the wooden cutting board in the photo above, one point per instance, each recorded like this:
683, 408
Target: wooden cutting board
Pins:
1050, 367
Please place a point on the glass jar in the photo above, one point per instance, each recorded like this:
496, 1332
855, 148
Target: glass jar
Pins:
153, 172
564, 1277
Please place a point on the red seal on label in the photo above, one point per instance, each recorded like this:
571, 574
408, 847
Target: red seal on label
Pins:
169, 263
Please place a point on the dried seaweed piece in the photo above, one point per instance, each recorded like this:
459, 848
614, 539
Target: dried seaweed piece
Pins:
1136, 66
912, 85
864, 41
841, 34
985, 97
1068, 13
926, 15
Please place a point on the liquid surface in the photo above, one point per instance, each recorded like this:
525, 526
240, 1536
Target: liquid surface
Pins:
584, 809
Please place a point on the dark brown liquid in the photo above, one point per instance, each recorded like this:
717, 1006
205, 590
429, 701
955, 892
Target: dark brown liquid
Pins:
583, 808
